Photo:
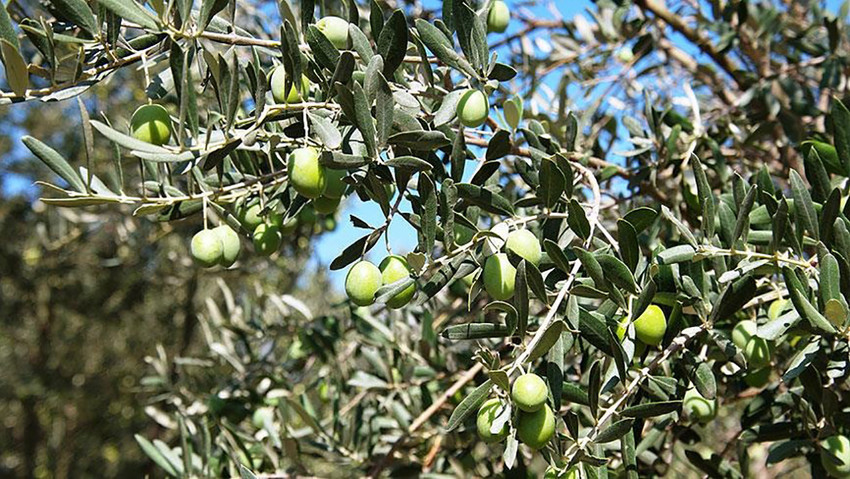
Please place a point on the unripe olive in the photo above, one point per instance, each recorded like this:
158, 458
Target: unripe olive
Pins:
306, 174
488, 413
206, 248
230, 245
535, 429
336, 187
361, 283
262, 417
838, 447
697, 407
651, 325
463, 234
267, 239
524, 244
151, 124
622, 329
250, 217
758, 378
757, 352
743, 332
499, 277
359, 76
498, 17
334, 29
777, 308
325, 205
529, 392
286, 227
278, 84
473, 108
394, 268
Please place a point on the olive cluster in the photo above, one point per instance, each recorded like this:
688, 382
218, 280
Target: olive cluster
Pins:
534, 420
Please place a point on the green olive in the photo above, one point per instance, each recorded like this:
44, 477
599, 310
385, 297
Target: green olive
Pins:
230, 244
499, 277
151, 124
524, 244
473, 108
757, 352
529, 392
394, 268
651, 325
336, 187
835, 456
777, 308
697, 407
278, 85
306, 174
463, 234
490, 410
267, 239
743, 332
262, 417
361, 283
325, 205
335, 29
758, 378
249, 216
535, 429
498, 17
206, 248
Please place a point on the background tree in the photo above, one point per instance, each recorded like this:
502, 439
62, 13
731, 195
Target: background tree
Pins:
648, 318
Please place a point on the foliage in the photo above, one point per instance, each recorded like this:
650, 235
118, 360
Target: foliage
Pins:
731, 195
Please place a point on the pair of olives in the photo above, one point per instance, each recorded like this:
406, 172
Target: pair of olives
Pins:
499, 272
217, 246
535, 422
313, 180
364, 279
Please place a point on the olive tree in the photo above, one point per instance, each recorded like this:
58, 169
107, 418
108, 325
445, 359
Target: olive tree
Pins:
632, 235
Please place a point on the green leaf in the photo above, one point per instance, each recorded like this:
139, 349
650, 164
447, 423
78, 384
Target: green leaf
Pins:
573, 393
733, 298
132, 11
323, 50
55, 162
617, 272
552, 182
817, 176
556, 255
78, 12
652, 409
594, 331
577, 219
16, 68
499, 145
804, 208
629, 248
614, 431
157, 456
550, 337
742, 223
409, 162
360, 43
428, 196
521, 298
802, 304
384, 110
126, 141
364, 121
442, 48
389, 291
706, 198
421, 140
328, 134
641, 218
355, 251
676, 254
476, 331
801, 360
392, 42
840, 118
486, 199
594, 384
469, 405
704, 380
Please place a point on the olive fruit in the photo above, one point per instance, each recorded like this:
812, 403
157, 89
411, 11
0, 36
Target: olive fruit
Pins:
267, 239
230, 245
151, 124
498, 17
743, 332
529, 392
835, 455
325, 205
758, 378
777, 308
499, 277
524, 244
757, 352
394, 268
306, 174
473, 108
335, 29
490, 410
697, 407
262, 417
651, 325
463, 234
278, 85
206, 248
249, 216
336, 187
286, 227
361, 283
535, 429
